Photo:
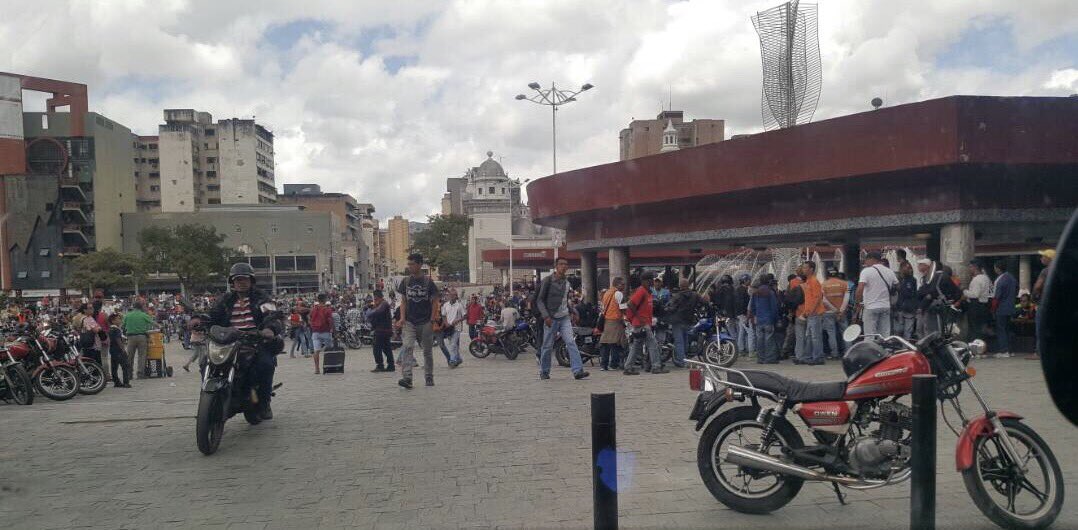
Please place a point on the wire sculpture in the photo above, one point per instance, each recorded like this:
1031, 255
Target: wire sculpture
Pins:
790, 56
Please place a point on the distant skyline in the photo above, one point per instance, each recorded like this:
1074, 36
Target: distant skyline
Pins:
384, 100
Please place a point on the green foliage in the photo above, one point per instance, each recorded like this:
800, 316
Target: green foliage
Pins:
444, 244
192, 252
105, 269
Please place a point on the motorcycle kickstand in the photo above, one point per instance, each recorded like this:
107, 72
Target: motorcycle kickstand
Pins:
838, 493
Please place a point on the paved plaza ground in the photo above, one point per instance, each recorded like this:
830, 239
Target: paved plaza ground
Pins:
490, 446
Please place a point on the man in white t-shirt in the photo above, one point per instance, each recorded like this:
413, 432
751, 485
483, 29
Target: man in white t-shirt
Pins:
874, 295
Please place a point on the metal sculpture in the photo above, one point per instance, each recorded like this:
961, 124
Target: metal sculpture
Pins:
790, 55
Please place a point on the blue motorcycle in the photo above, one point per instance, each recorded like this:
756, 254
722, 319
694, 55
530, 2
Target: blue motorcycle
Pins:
716, 348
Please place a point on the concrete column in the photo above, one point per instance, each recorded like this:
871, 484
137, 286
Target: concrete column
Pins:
851, 256
1025, 272
619, 263
956, 246
588, 273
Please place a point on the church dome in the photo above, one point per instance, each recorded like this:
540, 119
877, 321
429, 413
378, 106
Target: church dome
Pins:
490, 169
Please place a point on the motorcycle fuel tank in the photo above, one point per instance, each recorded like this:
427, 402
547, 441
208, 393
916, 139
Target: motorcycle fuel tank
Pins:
824, 413
891, 376
18, 350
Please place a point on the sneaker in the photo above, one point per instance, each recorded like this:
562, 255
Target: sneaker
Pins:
378, 369
406, 383
660, 370
580, 375
430, 380
544, 376
267, 412
1004, 355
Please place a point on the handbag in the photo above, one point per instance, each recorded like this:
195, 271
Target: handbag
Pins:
600, 319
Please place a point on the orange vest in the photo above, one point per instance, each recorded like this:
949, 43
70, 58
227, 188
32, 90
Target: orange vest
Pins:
611, 311
834, 290
813, 304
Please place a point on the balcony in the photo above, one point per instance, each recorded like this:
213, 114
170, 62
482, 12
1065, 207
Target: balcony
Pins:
74, 251
75, 235
74, 212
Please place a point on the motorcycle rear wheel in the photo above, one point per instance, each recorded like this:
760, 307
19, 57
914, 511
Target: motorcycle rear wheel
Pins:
210, 423
478, 349
710, 463
94, 381
21, 390
989, 479
58, 383
561, 353
352, 341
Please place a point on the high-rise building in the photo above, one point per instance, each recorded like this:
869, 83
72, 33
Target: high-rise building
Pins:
147, 173
398, 240
203, 163
646, 137
350, 215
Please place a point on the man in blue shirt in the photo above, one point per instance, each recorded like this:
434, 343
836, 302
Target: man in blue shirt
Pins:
1004, 293
763, 311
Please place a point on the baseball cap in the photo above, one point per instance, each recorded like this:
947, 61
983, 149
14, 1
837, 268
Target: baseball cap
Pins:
1049, 253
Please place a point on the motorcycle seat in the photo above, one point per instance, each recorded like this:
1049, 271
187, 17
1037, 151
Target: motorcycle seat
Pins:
797, 391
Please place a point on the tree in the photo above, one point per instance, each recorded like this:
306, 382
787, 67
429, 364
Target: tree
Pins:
192, 252
105, 269
444, 244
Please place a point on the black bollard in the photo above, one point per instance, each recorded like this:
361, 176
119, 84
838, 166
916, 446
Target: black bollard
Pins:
923, 454
604, 464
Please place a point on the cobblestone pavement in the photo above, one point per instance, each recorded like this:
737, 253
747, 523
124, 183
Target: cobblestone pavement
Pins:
489, 446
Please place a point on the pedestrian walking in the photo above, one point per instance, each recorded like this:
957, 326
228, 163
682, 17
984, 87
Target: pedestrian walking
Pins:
453, 316
381, 320
322, 324
199, 348
419, 308
557, 314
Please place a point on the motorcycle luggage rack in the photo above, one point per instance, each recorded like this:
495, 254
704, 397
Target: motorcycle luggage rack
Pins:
710, 370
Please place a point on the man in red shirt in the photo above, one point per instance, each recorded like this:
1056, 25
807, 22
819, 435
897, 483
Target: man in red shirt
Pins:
475, 316
640, 317
321, 321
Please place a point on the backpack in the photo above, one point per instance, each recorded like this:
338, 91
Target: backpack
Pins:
321, 318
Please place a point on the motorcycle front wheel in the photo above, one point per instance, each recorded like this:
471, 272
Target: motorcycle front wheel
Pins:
723, 353
1010, 498
744, 489
210, 425
92, 381
58, 383
478, 349
20, 389
352, 341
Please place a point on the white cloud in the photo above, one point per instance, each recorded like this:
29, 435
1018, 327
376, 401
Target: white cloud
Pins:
346, 120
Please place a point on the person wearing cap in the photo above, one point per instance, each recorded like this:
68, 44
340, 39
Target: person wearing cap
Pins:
977, 296
1047, 258
874, 295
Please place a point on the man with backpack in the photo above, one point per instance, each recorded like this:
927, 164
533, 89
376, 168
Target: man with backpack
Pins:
552, 300
874, 289
321, 321
681, 313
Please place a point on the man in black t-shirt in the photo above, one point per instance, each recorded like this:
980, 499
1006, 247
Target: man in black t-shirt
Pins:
419, 306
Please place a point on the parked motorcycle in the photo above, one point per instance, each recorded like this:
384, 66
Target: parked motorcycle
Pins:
51, 378
492, 340
587, 341
228, 386
92, 378
704, 343
15, 382
754, 460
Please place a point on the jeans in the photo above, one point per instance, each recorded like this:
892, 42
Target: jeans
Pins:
801, 346
1003, 333
681, 338
765, 344
744, 334
815, 333
830, 328
322, 340
473, 331
302, 341
564, 327
453, 338
439, 337
877, 321
906, 323
424, 334
137, 346
119, 359
635, 350
609, 355
383, 348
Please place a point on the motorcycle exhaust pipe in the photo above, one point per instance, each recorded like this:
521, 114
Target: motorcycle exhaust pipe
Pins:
756, 460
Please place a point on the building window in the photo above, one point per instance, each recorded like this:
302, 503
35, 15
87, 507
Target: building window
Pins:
44, 125
43, 252
310, 229
305, 263
273, 228
503, 191
206, 145
46, 274
155, 188
284, 263
213, 187
22, 274
480, 191
491, 191
155, 175
211, 159
237, 228
210, 132
211, 174
260, 262
213, 201
153, 147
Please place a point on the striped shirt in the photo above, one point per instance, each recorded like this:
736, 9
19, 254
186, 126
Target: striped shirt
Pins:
241, 314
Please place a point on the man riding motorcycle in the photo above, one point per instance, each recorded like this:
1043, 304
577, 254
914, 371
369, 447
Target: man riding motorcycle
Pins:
241, 308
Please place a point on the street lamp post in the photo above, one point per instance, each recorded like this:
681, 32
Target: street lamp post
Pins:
272, 265
553, 97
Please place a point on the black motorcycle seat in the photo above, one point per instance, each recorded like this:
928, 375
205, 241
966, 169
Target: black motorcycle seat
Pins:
798, 391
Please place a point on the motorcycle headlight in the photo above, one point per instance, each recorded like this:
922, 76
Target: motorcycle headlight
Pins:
218, 353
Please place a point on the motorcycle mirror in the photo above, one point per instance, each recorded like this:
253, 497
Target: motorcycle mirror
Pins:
851, 333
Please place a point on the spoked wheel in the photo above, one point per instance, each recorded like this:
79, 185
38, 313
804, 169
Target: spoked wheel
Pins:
352, 341
21, 389
478, 349
744, 489
561, 353
723, 353
92, 381
210, 425
58, 383
1006, 495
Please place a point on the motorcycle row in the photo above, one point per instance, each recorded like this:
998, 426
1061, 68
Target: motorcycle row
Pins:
46, 360
709, 339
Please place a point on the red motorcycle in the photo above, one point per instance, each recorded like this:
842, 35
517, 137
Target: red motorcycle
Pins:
92, 378
52, 378
15, 383
753, 459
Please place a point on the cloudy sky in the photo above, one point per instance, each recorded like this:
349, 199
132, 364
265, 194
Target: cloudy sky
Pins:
385, 99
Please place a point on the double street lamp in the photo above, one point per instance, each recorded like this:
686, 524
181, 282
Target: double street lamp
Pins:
553, 97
